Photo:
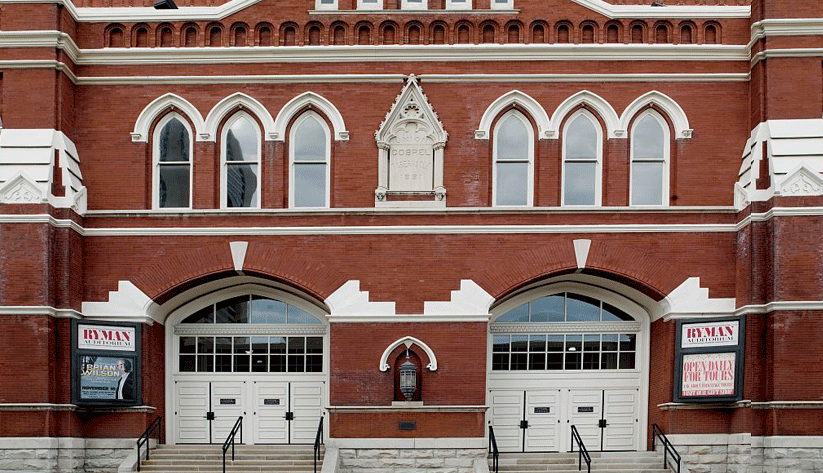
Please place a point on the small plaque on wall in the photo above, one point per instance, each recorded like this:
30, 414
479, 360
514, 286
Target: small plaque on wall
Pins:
408, 425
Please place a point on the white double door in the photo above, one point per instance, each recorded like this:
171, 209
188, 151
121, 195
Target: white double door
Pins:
274, 412
540, 420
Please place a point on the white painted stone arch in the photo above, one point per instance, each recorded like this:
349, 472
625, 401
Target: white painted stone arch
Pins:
309, 99
248, 104
597, 104
408, 341
160, 105
515, 97
664, 104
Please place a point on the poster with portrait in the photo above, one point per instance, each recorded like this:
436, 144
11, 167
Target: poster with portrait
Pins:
709, 358
105, 364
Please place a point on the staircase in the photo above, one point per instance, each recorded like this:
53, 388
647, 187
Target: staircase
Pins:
209, 458
607, 462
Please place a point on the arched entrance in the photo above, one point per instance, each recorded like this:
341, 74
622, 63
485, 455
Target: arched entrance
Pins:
565, 354
251, 351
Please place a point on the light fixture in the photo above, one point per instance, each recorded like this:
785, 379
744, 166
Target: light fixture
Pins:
408, 378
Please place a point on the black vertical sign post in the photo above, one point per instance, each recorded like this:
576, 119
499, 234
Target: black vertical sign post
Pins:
106, 363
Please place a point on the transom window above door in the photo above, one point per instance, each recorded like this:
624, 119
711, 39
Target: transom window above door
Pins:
565, 307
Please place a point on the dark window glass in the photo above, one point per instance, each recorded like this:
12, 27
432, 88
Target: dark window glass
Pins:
500, 361
609, 361
574, 343
626, 361
591, 361
573, 361
582, 309
277, 363
188, 345
537, 361
223, 363
555, 343
554, 361
314, 363
314, 345
232, 311
537, 343
547, 309
187, 363
501, 343
609, 342
259, 363
205, 345
223, 345
591, 343
202, 316
519, 361
520, 343
518, 314
205, 363
613, 314
628, 342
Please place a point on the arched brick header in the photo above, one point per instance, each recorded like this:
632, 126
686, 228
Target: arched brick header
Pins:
187, 269
639, 270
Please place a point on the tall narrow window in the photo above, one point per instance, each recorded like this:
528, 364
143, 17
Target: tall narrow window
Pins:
172, 176
581, 160
241, 163
309, 162
650, 160
513, 152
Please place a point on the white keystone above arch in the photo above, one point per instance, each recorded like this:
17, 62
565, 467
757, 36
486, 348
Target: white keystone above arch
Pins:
597, 104
161, 104
408, 341
515, 97
249, 104
311, 100
663, 103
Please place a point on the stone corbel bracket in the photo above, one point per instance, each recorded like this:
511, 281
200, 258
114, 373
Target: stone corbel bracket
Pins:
408, 341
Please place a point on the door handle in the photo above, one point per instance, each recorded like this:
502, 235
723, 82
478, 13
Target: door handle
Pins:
524, 424
209, 415
289, 416
602, 423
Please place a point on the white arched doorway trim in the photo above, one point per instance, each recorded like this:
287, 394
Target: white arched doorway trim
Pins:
631, 301
174, 311
408, 341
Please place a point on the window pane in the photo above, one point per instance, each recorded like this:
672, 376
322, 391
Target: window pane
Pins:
501, 343
609, 342
259, 363
613, 314
277, 363
223, 344
314, 345
580, 183
537, 361
647, 139
296, 364
647, 183
241, 345
259, 345
628, 342
233, 311
574, 343
314, 363
609, 361
241, 141
205, 345
581, 139
519, 361
573, 361
174, 142
297, 345
205, 363
188, 344
267, 311
241, 185
547, 309
500, 361
174, 185
187, 363
520, 343
300, 316
591, 343
223, 363
309, 185
277, 345
591, 361
537, 343
518, 314
627, 361
582, 309
554, 361
555, 343
310, 141
202, 316
512, 140
241, 363
512, 183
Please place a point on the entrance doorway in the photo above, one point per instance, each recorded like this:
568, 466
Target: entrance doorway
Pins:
274, 412
541, 420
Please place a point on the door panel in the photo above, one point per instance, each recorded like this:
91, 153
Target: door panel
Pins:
271, 402
621, 414
307, 406
228, 402
543, 415
584, 412
191, 402
506, 412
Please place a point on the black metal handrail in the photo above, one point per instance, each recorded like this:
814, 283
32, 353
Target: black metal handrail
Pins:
156, 424
238, 426
493, 450
584, 454
657, 433
318, 441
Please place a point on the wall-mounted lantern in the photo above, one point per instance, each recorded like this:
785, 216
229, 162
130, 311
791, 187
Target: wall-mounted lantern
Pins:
408, 378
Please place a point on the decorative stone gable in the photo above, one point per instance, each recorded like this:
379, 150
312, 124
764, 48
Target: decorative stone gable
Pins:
410, 143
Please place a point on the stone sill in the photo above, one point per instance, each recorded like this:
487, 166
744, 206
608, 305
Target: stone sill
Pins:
48, 407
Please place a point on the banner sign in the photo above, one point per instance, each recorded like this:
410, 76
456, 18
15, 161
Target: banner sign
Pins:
709, 360
714, 334
99, 337
708, 374
105, 364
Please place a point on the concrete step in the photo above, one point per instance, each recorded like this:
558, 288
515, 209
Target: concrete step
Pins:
602, 462
247, 458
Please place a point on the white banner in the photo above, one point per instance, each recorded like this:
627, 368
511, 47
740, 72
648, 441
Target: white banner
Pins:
105, 337
708, 374
710, 334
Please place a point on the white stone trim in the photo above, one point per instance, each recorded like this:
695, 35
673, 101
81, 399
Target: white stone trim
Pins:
238, 254
238, 99
785, 27
597, 103
691, 300
581, 252
158, 106
308, 99
801, 181
470, 299
408, 341
679, 11
128, 302
21, 190
666, 105
515, 97
409, 443
40, 310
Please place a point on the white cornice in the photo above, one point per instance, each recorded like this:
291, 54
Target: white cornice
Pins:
675, 11
786, 53
40, 64
39, 310
779, 306
686, 77
383, 13
786, 27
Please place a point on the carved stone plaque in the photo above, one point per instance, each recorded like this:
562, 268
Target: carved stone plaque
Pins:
411, 156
